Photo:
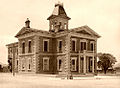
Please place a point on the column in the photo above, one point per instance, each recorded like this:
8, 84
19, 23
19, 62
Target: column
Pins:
79, 62
84, 70
95, 54
87, 65
93, 64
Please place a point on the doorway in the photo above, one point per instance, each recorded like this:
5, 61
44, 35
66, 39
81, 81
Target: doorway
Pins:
82, 64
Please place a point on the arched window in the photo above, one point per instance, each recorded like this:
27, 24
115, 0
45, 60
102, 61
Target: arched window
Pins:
52, 28
65, 26
29, 47
23, 47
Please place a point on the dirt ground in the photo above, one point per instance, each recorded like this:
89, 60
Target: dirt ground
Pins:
50, 81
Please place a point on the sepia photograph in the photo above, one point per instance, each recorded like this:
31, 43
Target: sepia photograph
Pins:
60, 44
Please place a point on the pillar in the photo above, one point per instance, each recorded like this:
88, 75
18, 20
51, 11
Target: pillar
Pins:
93, 64
87, 68
79, 62
84, 70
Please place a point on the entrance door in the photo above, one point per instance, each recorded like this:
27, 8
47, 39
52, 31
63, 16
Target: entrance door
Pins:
90, 64
81, 64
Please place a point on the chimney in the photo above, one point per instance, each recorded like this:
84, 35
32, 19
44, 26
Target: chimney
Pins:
27, 23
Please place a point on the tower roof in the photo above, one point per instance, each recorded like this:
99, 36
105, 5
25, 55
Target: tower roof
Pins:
58, 11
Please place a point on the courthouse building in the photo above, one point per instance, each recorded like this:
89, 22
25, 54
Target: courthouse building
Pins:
60, 50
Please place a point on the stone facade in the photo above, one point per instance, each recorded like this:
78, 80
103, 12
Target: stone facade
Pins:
13, 53
59, 50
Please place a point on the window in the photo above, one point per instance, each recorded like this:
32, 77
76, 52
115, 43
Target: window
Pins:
45, 63
52, 27
73, 63
10, 50
46, 46
91, 46
59, 65
83, 46
60, 45
23, 47
29, 47
74, 45
29, 63
60, 24
65, 26
17, 51
23, 64
16, 64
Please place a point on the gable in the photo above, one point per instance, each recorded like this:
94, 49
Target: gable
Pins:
85, 30
24, 30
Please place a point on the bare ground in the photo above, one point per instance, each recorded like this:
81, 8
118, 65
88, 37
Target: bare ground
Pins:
50, 81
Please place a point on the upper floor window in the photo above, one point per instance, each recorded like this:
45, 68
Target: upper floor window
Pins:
60, 25
9, 50
92, 46
73, 44
45, 63
52, 27
29, 47
60, 45
23, 47
83, 45
17, 50
65, 26
46, 45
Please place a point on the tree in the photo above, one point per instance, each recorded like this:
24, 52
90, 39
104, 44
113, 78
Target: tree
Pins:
106, 60
0, 68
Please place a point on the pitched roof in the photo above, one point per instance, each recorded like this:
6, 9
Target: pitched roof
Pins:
85, 30
58, 11
25, 30
11, 44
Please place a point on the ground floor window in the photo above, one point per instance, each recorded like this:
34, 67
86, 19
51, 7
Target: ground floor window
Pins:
29, 63
73, 63
59, 65
23, 64
46, 63
16, 64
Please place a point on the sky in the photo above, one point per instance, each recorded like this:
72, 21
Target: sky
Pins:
103, 16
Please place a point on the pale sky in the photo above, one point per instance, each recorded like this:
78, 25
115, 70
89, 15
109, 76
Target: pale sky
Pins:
103, 16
